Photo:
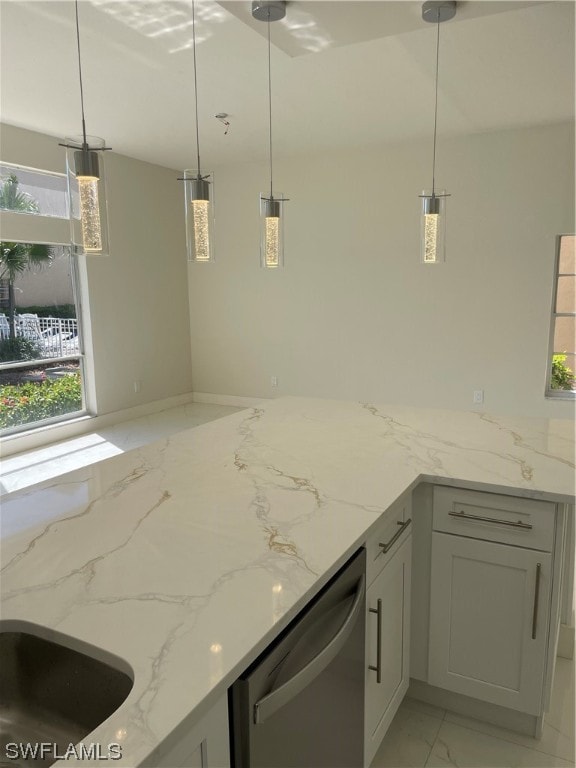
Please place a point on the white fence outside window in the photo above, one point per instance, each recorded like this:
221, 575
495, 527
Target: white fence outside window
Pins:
56, 336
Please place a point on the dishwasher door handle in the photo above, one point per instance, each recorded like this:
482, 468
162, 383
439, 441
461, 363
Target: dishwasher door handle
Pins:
277, 698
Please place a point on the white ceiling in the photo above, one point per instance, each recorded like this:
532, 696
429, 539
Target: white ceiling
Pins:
311, 27
345, 73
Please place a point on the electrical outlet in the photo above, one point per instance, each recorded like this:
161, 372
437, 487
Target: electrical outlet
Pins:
137, 386
274, 381
478, 396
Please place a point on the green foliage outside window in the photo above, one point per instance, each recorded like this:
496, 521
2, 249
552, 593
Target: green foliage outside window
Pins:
16, 258
562, 376
25, 403
13, 199
50, 310
17, 349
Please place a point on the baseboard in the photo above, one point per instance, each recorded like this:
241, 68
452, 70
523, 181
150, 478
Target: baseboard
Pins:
566, 642
479, 710
237, 400
53, 433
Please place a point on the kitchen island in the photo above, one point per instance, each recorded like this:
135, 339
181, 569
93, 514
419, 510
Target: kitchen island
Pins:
187, 556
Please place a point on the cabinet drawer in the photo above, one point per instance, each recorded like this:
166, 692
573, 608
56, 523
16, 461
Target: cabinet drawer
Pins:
389, 526
491, 517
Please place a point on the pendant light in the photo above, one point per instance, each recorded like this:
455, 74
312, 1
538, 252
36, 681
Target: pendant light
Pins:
86, 182
198, 191
433, 216
271, 206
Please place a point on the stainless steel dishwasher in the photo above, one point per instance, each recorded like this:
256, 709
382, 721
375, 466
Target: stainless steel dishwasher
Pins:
300, 704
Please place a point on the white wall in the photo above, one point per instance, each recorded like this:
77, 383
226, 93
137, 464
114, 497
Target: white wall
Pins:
353, 314
137, 297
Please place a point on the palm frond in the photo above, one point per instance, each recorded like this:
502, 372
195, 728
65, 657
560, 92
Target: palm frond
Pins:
13, 260
16, 258
12, 199
40, 255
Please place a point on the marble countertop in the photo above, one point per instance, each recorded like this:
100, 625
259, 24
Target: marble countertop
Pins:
186, 556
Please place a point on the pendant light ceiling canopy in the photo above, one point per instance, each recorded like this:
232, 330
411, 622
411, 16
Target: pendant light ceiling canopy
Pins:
433, 215
437, 11
268, 10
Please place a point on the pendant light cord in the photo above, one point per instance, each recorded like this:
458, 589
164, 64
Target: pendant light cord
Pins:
436, 103
195, 86
85, 143
270, 105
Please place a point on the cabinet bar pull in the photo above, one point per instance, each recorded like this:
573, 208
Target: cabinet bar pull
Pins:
394, 539
536, 598
466, 516
378, 667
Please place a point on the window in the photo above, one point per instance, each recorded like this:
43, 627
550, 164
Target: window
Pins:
561, 380
41, 354
36, 192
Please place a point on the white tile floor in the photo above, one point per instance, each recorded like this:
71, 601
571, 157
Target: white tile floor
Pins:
423, 736
420, 736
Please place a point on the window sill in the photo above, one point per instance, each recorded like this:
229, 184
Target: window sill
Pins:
24, 440
560, 395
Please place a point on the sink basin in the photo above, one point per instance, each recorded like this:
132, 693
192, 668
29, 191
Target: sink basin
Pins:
54, 694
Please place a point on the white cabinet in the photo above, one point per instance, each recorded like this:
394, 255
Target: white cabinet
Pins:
387, 633
490, 597
384, 533
488, 621
202, 744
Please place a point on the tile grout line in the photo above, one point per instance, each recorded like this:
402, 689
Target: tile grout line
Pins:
497, 738
442, 721
507, 740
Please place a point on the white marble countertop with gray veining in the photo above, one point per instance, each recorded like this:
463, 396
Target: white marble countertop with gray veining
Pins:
186, 556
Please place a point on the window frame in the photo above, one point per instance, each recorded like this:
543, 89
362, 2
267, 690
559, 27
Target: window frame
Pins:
557, 394
30, 227
55, 231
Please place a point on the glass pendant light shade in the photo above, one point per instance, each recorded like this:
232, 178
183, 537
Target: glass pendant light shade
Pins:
87, 194
271, 232
198, 195
433, 227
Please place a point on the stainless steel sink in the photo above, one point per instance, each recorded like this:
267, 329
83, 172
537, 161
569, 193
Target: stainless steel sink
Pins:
53, 694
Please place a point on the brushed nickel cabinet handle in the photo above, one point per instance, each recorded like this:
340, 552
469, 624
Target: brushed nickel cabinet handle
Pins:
465, 516
394, 539
536, 599
378, 667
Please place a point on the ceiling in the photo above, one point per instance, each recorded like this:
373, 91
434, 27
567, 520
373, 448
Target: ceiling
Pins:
344, 73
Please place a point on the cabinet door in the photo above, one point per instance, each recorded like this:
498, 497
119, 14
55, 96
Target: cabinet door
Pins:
489, 617
201, 743
387, 646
